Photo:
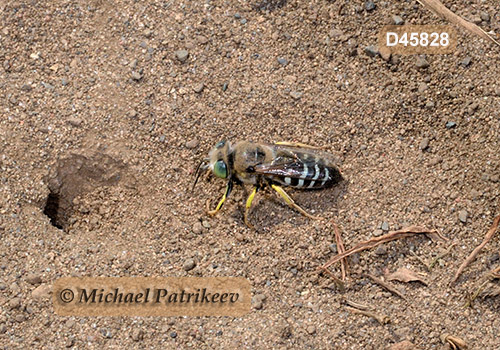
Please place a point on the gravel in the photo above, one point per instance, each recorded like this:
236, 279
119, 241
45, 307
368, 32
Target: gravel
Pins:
422, 63
191, 144
182, 55
189, 265
398, 20
463, 215
370, 6
424, 144
450, 125
371, 51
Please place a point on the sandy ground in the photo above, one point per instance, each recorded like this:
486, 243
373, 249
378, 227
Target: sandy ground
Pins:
103, 121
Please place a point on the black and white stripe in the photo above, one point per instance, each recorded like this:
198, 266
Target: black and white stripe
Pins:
313, 175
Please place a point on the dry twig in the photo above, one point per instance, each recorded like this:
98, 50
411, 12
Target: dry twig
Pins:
387, 286
382, 319
437, 7
375, 241
476, 251
340, 249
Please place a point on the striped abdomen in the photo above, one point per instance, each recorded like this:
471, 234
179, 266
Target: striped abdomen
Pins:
310, 175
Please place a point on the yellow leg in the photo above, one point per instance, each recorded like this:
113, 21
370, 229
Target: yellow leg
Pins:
292, 204
296, 144
249, 204
229, 187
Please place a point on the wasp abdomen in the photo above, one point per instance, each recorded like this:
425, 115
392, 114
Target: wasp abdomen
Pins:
314, 175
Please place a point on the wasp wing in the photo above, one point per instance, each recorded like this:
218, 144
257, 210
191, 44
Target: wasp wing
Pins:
288, 162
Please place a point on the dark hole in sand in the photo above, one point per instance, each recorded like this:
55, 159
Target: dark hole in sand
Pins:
51, 208
79, 174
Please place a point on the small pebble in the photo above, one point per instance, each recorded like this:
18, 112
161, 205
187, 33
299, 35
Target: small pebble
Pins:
70, 342
197, 228
136, 76
494, 178
189, 265
14, 303
282, 61
106, 333
422, 63
371, 51
182, 55
462, 216
76, 122
311, 330
385, 53
370, 6
381, 250
237, 15
173, 335
202, 39
33, 278
225, 86
243, 21
485, 16
137, 335
473, 108
385, 226
450, 125
422, 87
466, 61
192, 144
3, 329
41, 292
20, 318
424, 144
26, 88
377, 232
435, 161
258, 301
199, 88
296, 95
398, 20
476, 19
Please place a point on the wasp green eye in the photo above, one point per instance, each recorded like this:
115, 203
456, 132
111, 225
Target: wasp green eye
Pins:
220, 169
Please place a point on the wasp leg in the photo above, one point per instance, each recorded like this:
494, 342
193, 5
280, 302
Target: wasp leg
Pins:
249, 204
292, 204
296, 144
229, 187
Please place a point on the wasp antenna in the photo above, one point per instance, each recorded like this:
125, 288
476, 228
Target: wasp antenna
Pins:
201, 168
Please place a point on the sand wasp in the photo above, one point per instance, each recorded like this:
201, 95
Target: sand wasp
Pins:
281, 164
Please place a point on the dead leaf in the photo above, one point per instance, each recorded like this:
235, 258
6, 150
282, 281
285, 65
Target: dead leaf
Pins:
455, 342
405, 275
